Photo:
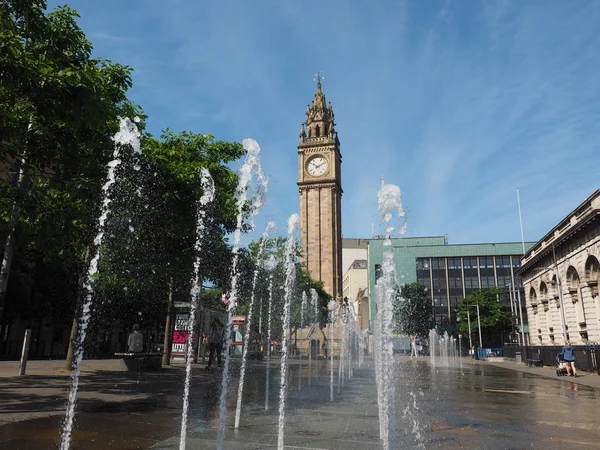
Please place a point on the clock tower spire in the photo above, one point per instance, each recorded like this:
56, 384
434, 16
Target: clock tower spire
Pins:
320, 186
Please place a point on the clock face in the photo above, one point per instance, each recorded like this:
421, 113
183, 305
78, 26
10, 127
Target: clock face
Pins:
317, 166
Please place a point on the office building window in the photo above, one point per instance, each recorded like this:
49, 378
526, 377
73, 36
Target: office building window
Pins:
470, 263
454, 263
438, 263
516, 261
455, 282
423, 264
471, 283
454, 301
439, 283
486, 262
378, 271
503, 262
487, 282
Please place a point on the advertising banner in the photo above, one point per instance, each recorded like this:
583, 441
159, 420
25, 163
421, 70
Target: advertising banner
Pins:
180, 335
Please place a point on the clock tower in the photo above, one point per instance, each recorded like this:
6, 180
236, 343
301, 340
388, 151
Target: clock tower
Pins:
320, 186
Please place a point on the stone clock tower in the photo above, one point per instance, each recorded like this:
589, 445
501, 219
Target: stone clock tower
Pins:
320, 186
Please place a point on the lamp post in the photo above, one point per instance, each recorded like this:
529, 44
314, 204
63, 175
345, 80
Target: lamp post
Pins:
478, 325
514, 296
469, 322
560, 297
521, 317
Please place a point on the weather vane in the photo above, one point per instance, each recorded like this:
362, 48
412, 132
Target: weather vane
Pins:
318, 77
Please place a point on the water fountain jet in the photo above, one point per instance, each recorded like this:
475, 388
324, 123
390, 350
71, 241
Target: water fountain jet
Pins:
290, 278
208, 189
128, 134
270, 230
250, 173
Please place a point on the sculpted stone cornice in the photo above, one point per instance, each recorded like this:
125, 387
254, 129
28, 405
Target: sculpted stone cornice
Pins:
318, 142
326, 185
310, 151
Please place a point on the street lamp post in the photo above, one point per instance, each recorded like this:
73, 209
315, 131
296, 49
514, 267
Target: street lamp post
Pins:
512, 309
521, 317
514, 296
478, 325
560, 297
469, 322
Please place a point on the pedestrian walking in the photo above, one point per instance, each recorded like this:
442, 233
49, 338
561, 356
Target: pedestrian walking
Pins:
216, 342
569, 357
325, 348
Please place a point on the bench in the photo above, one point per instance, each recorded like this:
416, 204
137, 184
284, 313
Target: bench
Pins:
535, 362
135, 362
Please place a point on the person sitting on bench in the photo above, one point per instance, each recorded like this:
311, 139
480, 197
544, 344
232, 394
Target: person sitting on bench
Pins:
135, 342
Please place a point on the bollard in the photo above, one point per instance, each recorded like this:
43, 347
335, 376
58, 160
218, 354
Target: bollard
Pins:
25, 352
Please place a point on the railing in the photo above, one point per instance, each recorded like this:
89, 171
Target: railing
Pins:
586, 356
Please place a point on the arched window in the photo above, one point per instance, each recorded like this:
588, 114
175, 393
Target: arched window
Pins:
544, 294
592, 274
573, 283
533, 302
317, 131
546, 315
532, 297
572, 278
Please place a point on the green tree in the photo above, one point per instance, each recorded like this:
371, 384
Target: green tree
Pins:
58, 112
413, 311
148, 253
495, 317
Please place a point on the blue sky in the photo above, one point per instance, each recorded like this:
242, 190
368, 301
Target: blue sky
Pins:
458, 102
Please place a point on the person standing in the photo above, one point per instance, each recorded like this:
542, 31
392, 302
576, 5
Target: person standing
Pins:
204, 345
135, 342
325, 347
569, 357
413, 348
216, 342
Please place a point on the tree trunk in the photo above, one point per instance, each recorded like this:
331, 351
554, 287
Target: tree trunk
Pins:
72, 341
9, 250
166, 358
74, 327
21, 183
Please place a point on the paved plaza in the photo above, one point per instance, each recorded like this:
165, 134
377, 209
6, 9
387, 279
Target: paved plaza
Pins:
484, 405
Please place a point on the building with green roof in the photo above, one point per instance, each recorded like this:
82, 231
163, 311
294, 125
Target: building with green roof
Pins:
450, 272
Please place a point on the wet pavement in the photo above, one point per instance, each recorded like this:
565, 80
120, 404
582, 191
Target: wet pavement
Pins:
482, 406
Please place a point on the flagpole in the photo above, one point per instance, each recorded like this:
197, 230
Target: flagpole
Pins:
521, 221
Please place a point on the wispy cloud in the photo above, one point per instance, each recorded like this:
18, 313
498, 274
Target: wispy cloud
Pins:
457, 102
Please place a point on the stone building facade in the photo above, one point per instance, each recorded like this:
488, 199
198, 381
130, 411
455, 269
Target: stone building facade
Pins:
560, 275
320, 186
354, 286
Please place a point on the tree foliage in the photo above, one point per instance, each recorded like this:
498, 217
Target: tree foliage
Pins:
59, 108
151, 230
413, 311
495, 317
